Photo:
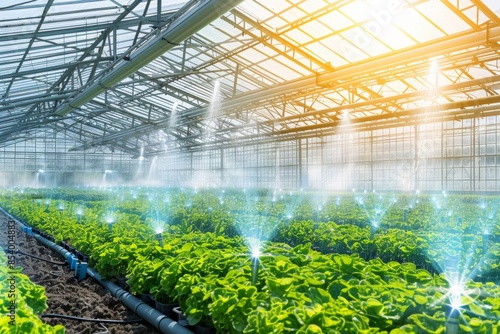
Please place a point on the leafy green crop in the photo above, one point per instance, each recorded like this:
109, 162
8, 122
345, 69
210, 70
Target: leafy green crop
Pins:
321, 272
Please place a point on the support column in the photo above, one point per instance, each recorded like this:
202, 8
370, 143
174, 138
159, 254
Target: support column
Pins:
442, 158
221, 165
371, 160
300, 170
473, 155
415, 162
277, 167
190, 165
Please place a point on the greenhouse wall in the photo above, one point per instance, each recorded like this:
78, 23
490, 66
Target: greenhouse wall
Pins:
458, 156
45, 162
454, 156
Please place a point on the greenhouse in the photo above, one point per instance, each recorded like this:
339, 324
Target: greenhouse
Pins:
250, 166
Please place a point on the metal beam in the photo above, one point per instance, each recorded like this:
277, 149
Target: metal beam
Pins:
186, 25
487, 11
69, 66
395, 98
74, 30
30, 44
485, 111
20, 102
274, 36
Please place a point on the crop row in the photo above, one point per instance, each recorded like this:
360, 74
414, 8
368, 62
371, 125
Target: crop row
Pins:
375, 286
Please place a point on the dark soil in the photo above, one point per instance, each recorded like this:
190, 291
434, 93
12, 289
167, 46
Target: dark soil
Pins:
65, 295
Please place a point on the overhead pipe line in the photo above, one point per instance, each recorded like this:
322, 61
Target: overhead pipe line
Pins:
377, 101
268, 138
190, 22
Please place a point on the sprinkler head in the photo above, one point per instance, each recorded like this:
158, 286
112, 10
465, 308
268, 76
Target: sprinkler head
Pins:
255, 268
373, 229
451, 264
255, 253
486, 240
110, 220
159, 236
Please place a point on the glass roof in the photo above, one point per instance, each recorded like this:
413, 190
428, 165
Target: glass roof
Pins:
271, 70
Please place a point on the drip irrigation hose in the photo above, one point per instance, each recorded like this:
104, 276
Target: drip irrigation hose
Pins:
41, 258
104, 321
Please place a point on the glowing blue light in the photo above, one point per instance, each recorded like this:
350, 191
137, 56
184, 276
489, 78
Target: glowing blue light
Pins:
455, 293
254, 245
110, 219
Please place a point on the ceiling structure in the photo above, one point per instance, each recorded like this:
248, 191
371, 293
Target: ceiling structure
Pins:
151, 76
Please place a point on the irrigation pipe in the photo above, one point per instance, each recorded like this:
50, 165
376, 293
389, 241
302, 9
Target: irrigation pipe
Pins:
157, 319
151, 315
108, 321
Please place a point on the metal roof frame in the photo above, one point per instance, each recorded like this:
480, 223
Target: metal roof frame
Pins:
284, 70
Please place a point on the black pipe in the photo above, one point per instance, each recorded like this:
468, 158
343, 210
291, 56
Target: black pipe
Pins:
41, 258
154, 317
109, 321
